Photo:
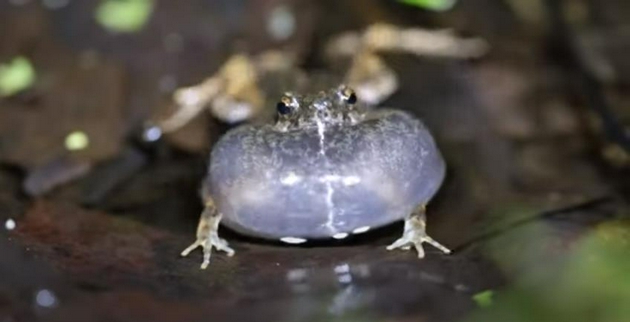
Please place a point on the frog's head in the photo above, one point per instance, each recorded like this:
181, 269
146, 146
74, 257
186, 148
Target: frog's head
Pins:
337, 106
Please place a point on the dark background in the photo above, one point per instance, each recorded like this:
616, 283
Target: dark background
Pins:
535, 135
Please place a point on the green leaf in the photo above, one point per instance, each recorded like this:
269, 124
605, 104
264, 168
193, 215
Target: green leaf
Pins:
435, 5
124, 15
484, 299
16, 76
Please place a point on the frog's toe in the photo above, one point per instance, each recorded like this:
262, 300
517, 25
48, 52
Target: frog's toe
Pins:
222, 245
414, 236
190, 248
208, 236
435, 244
406, 242
207, 250
207, 244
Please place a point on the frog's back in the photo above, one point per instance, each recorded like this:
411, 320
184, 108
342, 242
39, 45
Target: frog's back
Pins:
324, 182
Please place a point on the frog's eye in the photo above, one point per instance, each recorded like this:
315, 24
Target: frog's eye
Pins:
283, 108
352, 98
348, 95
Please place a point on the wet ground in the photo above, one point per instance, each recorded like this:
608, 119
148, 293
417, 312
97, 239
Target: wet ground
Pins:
534, 172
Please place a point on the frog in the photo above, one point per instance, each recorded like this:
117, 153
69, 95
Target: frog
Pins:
318, 164
328, 167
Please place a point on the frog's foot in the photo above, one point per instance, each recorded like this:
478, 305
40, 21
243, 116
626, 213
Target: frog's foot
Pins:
241, 98
232, 95
190, 102
382, 37
423, 42
371, 78
208, 237
414, 234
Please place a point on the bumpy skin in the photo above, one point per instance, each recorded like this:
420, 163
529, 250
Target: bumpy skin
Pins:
322, 175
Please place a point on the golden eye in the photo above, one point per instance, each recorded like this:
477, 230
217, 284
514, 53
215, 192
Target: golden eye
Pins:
349, 95
284, 106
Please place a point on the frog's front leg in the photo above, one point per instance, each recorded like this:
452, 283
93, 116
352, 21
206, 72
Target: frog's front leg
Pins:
207, 234
414, 234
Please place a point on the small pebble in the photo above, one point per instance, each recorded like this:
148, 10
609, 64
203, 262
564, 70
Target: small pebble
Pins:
46, 298
152, 134
9, 224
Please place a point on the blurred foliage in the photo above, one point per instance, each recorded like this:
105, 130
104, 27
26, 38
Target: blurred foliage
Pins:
483, 299
437, 5
124, 15
591, 285
76, 141
529, 11
16, 76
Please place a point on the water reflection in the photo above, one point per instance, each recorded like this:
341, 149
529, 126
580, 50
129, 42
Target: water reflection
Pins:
371, 289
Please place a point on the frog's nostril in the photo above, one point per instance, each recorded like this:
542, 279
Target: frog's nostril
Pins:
321, 104
323, 114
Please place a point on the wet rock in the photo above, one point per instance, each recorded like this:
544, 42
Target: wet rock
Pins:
115, 268
81, 241
41, 180
12, 203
